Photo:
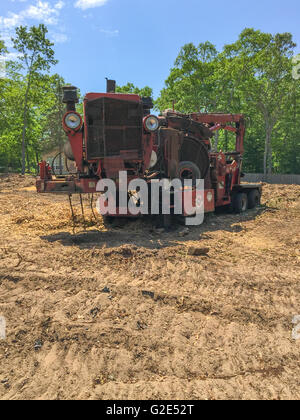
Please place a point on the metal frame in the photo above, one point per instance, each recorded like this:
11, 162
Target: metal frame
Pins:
222, 180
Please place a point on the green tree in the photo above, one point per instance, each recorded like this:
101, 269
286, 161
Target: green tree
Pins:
252, 76
286, 135
10, 116
36, 57
260, 65
2, 47
192, 81
197, 83
2, 80
53, 134
131, 88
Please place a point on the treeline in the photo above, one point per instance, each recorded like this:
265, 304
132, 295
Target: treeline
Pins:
253, 76
31, 106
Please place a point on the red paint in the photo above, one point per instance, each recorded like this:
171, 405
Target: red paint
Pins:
222, 177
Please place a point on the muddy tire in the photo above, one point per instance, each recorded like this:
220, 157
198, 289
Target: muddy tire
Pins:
108, 220
240, 203
114, 222
164, 221
254, 199
196, 152
189, 170
167, 221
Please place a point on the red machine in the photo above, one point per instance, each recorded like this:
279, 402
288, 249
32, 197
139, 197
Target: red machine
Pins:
118, 133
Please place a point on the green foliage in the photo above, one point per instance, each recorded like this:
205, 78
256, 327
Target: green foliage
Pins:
192, 83
36, 53
30, 107
251, 76
44, 131
2, 47
36, 56
131, 88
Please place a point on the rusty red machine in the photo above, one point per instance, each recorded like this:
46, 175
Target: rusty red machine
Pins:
119, 133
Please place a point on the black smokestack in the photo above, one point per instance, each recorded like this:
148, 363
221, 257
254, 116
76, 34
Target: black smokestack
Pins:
111, 86
70, 97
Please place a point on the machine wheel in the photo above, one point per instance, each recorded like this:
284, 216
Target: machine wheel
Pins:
253, 199
164, 221
167, 221
189, 170
114, 222
240, 203
108, 221
195, 151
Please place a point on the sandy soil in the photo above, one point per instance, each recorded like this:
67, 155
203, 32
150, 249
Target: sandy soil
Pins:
126, 313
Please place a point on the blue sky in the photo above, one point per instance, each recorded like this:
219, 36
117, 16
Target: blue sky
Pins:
138, 40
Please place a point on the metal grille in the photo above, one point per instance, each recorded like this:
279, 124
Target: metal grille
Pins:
113, 125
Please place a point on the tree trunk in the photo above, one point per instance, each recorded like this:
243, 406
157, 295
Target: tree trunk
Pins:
24, 128
268, 150
27, 159
270, 156
266, 153
37, 162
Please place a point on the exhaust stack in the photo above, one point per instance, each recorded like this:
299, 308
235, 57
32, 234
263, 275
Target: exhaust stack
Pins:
111, 86
70, 97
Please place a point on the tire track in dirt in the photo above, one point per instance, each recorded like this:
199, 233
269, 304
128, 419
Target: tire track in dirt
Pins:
79, 325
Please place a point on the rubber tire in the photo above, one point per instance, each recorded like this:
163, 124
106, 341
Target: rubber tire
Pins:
108, 220
240, 203
167, 221
254, 199
193, 150
164, 221
114, 222
192, 167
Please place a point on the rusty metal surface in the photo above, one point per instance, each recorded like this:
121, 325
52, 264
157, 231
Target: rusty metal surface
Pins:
114, 139
112, 126
67, 186
170, 143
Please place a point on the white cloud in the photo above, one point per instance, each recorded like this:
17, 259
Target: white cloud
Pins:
10, 21
59, 5
110, 33
11, 56
41, 11
88, 4
6, 38
59, 38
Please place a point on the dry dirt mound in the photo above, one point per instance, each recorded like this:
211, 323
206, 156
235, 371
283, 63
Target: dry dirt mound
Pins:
13, 182
126, 312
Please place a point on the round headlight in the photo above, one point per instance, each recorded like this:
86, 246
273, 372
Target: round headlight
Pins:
153, 160
73, 120
151, 123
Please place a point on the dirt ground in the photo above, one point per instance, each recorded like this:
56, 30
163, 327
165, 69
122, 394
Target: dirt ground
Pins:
126, 313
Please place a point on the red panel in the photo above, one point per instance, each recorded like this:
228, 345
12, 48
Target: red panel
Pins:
76, 141
209, 200
218, 118
125, 97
